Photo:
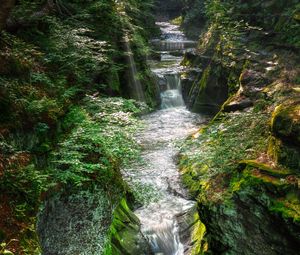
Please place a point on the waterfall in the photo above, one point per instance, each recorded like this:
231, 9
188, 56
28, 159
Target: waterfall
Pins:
172, 96
134, 82
159, 219
164, 239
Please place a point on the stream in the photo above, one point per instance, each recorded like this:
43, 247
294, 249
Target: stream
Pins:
163, 129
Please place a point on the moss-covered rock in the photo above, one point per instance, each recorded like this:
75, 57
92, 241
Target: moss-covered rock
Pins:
285, 143
192, 232
126, 237
237, 193
286, 123
208, 94
252, 82
284, 154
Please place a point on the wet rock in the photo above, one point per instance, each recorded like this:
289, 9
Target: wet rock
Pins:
192, 57
187, 80
127, 238
186, 85
192, 231
208, 94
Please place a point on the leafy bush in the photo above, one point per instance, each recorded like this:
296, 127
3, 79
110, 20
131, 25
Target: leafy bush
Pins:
99, 143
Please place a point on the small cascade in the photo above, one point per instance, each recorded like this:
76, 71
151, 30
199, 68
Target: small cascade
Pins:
172, 96
164, 239
136, 86
173, 45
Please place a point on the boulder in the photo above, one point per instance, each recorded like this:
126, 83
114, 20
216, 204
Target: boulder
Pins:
127, 238
286, 123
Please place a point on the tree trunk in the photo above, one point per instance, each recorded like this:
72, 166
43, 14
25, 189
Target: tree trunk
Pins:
5, 8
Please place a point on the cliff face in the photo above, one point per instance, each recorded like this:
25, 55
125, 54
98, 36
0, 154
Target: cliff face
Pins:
243, 167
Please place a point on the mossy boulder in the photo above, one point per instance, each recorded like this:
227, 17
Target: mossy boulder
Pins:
208, 94
284, 145
126, 237
286, 123
192, 232
283, 153
259, 198
237, 105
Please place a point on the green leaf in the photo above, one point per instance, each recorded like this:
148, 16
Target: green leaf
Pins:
7, 252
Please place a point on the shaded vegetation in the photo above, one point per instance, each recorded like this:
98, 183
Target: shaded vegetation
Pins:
53, 137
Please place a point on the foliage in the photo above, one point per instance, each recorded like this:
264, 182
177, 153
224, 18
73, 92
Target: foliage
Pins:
4, 250
276, 16
99, 143
219, 147
47, 65
194, 19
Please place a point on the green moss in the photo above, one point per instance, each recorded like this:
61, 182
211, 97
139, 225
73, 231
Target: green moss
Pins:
200, 245
124, 232
288, 207
286, 121
285, 126
204, 79
201, 85
276, 172
186, 61
233, 82
177, 21
209, 159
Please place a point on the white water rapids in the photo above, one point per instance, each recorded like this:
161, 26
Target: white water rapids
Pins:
162, 129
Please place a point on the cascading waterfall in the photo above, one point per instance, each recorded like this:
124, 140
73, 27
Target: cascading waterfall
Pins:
137, 91
172, 96
173, 122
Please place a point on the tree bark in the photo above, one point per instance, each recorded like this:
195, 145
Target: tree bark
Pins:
5, 8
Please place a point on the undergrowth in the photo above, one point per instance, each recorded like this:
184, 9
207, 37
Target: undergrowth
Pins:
97, 143
214, 153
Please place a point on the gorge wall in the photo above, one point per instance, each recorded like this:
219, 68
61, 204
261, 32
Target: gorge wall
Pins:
243, 167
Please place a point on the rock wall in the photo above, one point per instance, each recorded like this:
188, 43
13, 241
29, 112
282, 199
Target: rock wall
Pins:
243, 167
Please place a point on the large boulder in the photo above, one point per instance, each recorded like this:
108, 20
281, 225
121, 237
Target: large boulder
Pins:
284, 145
286, 123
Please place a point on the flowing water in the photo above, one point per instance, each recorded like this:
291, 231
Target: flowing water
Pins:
163, 129
133, 74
